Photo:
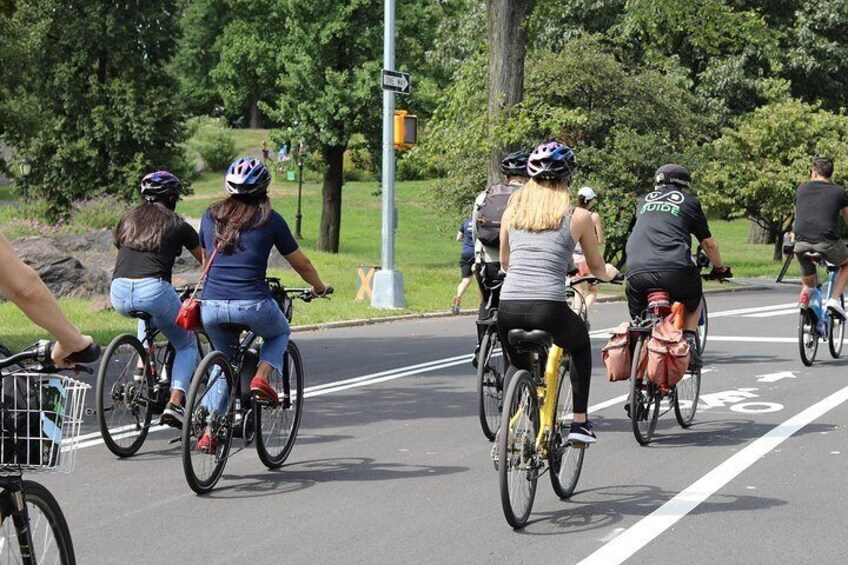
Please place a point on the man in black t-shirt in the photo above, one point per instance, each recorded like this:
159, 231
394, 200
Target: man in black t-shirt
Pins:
818, 204
659, 254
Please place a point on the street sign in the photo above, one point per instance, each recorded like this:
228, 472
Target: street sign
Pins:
397, 82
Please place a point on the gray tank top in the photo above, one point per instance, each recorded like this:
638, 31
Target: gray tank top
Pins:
538, 262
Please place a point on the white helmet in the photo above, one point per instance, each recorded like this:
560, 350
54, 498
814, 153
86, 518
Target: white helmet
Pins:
587, 194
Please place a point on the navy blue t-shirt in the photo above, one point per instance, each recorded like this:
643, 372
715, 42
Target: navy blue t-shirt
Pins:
467, 238
240, 275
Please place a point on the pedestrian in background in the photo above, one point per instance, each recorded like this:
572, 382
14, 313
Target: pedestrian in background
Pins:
466, 260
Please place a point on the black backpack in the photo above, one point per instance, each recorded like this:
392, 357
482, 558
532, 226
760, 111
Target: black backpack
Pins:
490, 213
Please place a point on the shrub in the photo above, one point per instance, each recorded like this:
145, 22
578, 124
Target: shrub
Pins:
215, 144
97, 213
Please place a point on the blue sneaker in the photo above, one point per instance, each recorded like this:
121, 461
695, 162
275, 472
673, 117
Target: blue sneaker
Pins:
582, 433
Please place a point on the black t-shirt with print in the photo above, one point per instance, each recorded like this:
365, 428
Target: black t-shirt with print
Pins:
133, 264
661, 240
817, 208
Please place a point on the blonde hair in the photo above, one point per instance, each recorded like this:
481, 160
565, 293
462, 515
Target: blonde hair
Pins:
539, 205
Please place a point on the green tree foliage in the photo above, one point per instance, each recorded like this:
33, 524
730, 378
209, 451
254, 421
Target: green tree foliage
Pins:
201, 24
91, 101
752, 170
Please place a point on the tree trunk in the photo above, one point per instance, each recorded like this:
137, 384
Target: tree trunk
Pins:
254, 113
507, 47
757, 233
331, 211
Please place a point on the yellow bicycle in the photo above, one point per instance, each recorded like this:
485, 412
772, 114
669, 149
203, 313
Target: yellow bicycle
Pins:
534, 427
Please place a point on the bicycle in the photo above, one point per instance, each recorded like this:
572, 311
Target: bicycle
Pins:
534, 427
41, 417
126, 400
818, 323
491, 366
645, 398
273, 426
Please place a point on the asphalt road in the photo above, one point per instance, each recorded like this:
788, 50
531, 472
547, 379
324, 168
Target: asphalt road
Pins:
393, 468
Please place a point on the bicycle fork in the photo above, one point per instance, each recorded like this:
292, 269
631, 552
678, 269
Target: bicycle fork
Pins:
16, 506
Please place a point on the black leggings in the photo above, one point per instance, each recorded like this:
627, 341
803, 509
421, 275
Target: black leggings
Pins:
568, 330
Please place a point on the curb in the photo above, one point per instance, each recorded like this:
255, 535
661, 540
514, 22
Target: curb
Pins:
470, 312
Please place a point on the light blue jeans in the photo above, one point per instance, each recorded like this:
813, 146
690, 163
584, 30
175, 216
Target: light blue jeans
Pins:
158, 298
263, 317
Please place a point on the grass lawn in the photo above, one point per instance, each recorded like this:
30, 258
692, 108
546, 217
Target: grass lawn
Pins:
426, 252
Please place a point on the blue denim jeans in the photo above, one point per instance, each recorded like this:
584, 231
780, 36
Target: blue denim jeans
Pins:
263, 317
158, 298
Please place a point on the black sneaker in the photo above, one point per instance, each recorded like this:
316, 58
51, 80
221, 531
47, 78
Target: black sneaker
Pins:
695, 361
173, 416
581, 433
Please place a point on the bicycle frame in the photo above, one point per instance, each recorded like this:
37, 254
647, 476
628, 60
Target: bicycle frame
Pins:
817, 300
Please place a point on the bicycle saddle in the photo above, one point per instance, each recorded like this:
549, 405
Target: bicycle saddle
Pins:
813, 255
533, 340
144, 316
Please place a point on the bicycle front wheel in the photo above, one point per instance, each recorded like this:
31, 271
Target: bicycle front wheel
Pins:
703, 326
808, 339
518, 461
644, 404
490, 384
51, 538
566, 461
686, 395
836, 333
208, 413
276, 426
122, 398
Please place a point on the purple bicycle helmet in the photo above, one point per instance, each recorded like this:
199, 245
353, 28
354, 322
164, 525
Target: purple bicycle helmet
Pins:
160, 185
247, 175
552, 161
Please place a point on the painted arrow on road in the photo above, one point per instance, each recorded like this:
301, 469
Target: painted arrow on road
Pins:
774, 377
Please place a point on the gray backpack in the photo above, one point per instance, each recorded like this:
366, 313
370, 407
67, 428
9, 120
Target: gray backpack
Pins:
490, 213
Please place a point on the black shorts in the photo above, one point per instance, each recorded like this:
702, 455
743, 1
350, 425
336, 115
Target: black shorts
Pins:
682, 286
466, 264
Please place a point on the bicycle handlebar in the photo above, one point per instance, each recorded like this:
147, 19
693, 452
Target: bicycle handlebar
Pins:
572, 282
41, 351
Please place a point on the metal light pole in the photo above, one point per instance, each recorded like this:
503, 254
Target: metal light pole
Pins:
388, 283
26, 170
299, 216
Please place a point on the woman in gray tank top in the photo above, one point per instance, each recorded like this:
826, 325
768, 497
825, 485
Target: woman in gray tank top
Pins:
539, 231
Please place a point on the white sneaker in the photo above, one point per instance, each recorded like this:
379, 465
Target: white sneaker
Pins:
836, 308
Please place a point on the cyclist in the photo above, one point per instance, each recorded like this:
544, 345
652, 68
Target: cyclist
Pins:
149, 238
244, 229
24, 288
539, 232
487, 214
466, 261
659, 254
818, 204
586, 199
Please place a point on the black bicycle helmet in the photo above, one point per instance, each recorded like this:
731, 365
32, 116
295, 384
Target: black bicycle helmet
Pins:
673, 175
515, 164
160, 185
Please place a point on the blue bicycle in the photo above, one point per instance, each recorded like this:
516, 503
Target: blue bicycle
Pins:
815, 322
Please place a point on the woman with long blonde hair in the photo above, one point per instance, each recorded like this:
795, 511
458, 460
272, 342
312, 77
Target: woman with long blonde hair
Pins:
539, 232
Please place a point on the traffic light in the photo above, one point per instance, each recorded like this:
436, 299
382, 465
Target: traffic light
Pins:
406, 130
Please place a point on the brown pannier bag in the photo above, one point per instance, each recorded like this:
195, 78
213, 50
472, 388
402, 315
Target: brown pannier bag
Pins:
616, 354
667, 354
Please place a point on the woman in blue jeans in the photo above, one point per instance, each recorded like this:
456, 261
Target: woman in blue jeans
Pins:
244, 229
149, 238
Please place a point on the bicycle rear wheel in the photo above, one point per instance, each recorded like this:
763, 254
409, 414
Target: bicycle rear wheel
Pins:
808, 339
644, 407
566, 461
122, 403
212, 382
276, 426
703, 326
518, 462
490, 384
836, 333
686, 395
51, 538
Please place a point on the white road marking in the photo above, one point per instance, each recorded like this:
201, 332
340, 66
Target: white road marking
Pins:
771, 314
774, 377
650, 527
752, 310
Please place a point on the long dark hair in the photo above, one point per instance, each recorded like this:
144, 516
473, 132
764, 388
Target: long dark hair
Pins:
237, 214
144, 227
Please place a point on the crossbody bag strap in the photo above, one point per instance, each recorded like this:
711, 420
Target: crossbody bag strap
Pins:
206, 269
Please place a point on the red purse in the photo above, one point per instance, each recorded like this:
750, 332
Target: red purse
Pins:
188, 318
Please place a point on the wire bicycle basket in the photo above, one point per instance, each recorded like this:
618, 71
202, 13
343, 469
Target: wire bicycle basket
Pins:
41, 422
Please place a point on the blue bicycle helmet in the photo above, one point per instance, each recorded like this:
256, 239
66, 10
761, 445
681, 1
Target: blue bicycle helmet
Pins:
159, 186
247, 175
552, 161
